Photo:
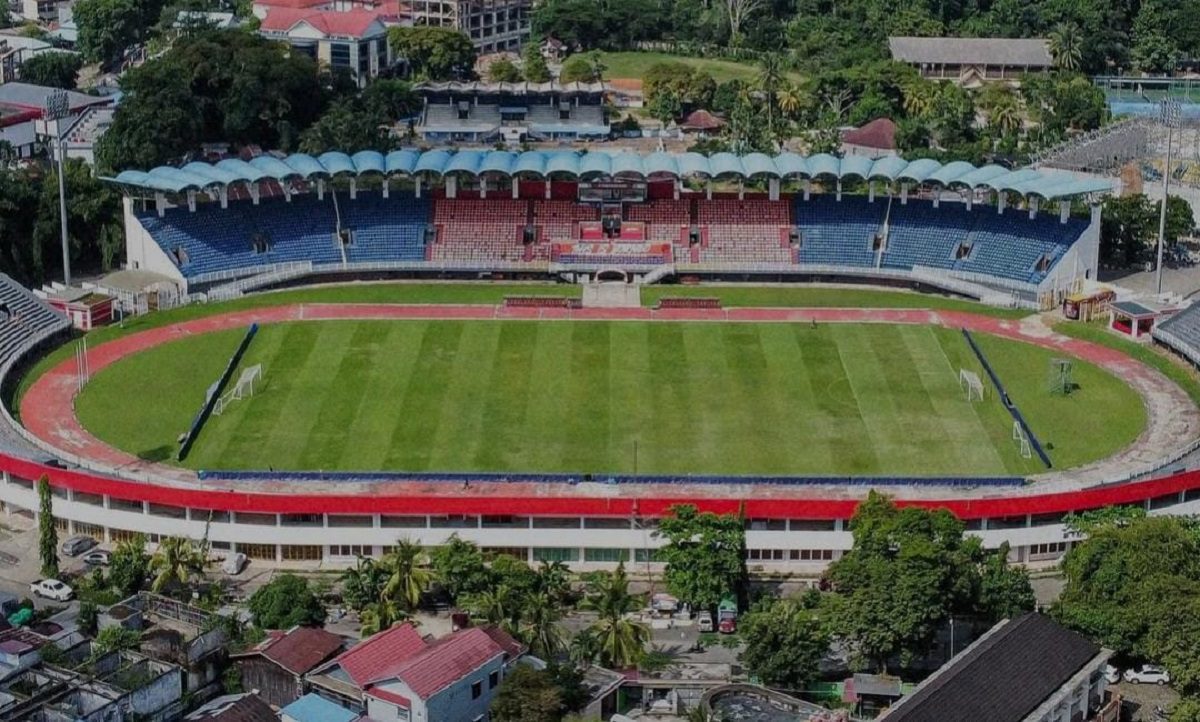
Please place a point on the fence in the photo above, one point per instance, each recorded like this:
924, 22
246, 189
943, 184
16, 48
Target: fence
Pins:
214, 393
1008, 403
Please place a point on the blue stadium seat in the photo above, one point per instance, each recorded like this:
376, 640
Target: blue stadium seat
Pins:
838, 232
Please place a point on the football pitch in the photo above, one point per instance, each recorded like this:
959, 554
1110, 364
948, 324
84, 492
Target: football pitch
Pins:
581, 396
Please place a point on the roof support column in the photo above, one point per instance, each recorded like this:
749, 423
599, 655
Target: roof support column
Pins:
451, 187
903, 194
516, 188
255, 192
417, 186
547, 189
1064, 210
483, 187
773, 189
708, 190
741, 190
191, 200
1033, 207
320, 189
160, 203
870, 191
838, 195
970, 199
937, 200
807, 188
676, 186
223, 194
353, 189
287, 191
1000, 200
387, 186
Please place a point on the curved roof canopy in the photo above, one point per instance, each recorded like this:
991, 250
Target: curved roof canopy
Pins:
603, 164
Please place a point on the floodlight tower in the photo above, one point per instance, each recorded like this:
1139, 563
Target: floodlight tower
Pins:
1170, 113
58, 108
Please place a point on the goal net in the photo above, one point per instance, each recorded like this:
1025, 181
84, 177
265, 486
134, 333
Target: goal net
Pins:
1022, 440
971, 385
244, 388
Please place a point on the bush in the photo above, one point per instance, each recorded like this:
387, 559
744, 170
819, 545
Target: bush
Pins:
285, 602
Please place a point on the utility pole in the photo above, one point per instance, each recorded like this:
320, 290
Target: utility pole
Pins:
1170, 112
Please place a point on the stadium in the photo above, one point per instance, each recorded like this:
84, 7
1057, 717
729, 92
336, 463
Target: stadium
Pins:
543, 352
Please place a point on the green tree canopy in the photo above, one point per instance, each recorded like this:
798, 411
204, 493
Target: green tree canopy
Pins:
459, 567
129, 565
577, 69
527, 695
909, 569
785, 642
705, 555
55, 70
533, 65
285, 602
434, 53
503, 70
47, 532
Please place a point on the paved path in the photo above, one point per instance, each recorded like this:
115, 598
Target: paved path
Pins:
47, 409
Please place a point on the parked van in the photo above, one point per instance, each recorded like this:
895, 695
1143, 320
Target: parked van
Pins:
77, 545
705, 622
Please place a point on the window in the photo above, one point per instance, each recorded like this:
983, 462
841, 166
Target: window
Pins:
493, 680
260, 243
124, 505
647, 555
476, 690
301, 553
217, 517
350, 550
93, 530
85, 498
600, 522
402, 522
490, 553
505, 522
260, 519
1165, 500
454, 522
606, 555
261, 552
1052, 549
766, 525
812, 525
555, 554
765, 555
559, 522
357, 520
811, 555
173, 512
1043, 264
302, 520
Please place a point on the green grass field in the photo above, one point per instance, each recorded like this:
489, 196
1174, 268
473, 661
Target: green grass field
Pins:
576, 396
633, 64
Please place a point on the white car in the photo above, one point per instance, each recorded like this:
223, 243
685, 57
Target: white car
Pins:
1147, 674
52, 589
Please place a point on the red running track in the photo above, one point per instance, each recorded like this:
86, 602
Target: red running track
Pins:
48, 412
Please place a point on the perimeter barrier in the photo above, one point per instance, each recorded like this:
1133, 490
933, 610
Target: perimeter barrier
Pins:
214, 393
1008, 403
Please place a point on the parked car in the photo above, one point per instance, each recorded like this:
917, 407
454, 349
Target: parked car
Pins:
52, 589
77, 545
704, 622
97, 558
234, 564
1147, 674
1112, 675
728, 625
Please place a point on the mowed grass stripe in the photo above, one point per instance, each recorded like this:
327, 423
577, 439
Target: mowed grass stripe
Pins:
699, 398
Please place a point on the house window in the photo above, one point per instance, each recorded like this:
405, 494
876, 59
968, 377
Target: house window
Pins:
476, 690
493, 680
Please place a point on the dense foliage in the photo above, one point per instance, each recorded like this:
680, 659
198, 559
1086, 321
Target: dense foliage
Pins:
285, 602
785, 642
704, 554
1129, 227
56, 70
47, 532
434, 53
538, 695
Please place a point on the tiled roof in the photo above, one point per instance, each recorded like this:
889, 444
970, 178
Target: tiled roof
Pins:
300, 649
702, 120
378, 657
352, 23
1034, 52
234, 708
879, 133
504, 640
447, 661
389, 696
308, 4
1002, 677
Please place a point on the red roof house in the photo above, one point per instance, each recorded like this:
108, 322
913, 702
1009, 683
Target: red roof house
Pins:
276, 667
874, 140
701, 121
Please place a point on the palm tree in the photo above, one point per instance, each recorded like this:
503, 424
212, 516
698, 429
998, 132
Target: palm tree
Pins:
176, 561
554, 580
920, 97
621, 640
539, 628
407, 575
363, 584
584, 648
790, 100
492, 605
1065, 46
379, 616
770, 79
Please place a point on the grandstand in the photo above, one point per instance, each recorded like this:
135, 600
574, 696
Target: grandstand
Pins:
25, 321
472, 211
516, 112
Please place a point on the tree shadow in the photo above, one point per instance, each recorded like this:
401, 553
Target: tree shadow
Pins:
158, 453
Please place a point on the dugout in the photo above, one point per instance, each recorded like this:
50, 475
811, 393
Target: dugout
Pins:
1132, 318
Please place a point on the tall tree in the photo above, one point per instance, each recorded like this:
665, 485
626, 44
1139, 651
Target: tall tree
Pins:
576, 69
434, 53
1066, 46
107, 28
460, 568
908, 570
738, 12
176, 562
503, 70
1004, 590
527, 695
129, 565
785, 642
540, 628
705, 555
55, 70
533, 65
770, 80
408, 576
621, 641
47, 532
285, 602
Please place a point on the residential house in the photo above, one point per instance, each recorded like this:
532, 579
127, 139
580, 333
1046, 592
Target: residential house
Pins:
355, 40
876, 139
1027, 669
971, 62
245, 707
276, 667
315, 708
398, 676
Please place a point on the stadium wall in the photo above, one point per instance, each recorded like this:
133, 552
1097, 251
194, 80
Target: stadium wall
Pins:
794, 535
1081, 261
141, 252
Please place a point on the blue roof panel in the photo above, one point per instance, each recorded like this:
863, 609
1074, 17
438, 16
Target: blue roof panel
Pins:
563, 161
531, 161
824, 164
337, 163
369, 161
725, 164
272, 167
305, 165
791, 164
401, 161
433, 161
498, 161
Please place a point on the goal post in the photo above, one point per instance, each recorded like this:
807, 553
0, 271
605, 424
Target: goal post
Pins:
1022, 440
244, 388
971, 385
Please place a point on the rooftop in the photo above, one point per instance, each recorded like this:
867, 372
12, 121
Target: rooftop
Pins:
33, 97
348, 24
879, 133
378, 657
1002, 677
314, 708
247, 707
298, 650
1032, 52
